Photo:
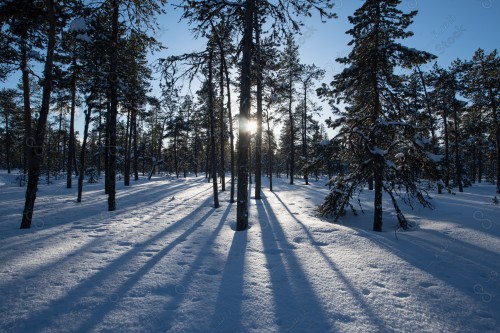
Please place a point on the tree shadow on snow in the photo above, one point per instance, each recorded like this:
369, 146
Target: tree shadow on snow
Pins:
81, 295
292, 291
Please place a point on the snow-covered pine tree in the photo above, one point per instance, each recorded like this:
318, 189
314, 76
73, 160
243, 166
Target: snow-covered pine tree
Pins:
377, 139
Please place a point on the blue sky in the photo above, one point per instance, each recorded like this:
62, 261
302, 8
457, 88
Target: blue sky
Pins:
449, 29
446, 28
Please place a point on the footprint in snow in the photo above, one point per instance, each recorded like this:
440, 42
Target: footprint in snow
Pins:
426, 284
402, 295
378, 284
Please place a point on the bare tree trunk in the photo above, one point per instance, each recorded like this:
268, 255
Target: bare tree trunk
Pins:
244, 134
99, 140
176, 160
128, 142
446, 149
37, 148
496, 124
135, 162
270, 152
213, 147
480, 165
83, 153
428, 108
47, 158
258, 137
71, 144
113, 110
106, 151
7, 140
304, 136
222, 128
231, 135
292, 130
28, 139
456, 145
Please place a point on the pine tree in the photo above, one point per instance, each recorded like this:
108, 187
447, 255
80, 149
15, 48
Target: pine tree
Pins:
308, 75
25, 27
39, 137
140, 14
9, 114
482, 86
290, 70
242, 13
372, 127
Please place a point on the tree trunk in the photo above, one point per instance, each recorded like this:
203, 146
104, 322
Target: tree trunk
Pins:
128, 141
37, 148
378, 180
429, 109
245, 104
7, 140
99, 140
304, 136
222, 128
378, 161
83, 152
292, 130
496, 125
47, 158
270, 152
28, 135
473, 163
231, 136
458, 163
71, 144
176, 160
106, 150
258, 136
213, 147
446, 149
135, 161
113, 110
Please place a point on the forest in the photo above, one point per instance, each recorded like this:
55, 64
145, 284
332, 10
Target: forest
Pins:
402, 125
239, 185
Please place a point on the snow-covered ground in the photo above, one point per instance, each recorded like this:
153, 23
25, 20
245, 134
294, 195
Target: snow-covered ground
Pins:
167, 261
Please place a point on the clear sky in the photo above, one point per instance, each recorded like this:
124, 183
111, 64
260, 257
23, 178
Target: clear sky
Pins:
449, 29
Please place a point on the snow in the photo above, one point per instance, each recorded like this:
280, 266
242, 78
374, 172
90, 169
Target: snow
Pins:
435, 158
78, 25
378, 151
84, 37
399, 155
166, 260
35, 55
324, 143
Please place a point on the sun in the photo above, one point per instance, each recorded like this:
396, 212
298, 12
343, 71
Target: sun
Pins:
252, 126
